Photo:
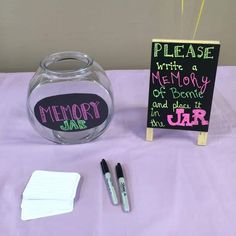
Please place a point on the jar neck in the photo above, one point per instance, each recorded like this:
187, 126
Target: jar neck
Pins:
59, 64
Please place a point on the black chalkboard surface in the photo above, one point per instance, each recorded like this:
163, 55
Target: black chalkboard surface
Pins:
182, 78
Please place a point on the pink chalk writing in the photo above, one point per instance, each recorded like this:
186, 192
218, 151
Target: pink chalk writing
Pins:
84, 111
184, 119
176, 78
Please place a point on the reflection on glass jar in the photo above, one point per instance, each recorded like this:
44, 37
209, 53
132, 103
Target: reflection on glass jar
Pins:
69, 98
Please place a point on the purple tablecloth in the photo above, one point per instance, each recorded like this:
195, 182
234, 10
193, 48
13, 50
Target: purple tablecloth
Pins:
175, 186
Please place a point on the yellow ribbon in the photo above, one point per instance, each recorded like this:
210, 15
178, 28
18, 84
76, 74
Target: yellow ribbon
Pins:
198, 18
182, 7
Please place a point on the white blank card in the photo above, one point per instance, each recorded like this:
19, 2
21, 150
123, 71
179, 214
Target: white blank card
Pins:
49, 193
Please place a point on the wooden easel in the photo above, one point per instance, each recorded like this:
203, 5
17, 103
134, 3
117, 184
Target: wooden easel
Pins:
201, 141
202, 138
149, 134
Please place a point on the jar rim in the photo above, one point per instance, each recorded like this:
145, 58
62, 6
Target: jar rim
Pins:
67, 55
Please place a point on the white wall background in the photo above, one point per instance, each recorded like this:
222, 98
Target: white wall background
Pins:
116, 33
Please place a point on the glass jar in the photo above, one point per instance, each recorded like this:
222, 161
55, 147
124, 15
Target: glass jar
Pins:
70, 98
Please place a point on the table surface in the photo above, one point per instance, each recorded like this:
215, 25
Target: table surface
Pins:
175, 186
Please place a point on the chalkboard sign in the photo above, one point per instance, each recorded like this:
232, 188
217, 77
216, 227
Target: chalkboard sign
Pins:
182, 79
71, 112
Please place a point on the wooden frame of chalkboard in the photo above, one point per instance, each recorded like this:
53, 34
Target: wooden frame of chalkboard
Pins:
182, 79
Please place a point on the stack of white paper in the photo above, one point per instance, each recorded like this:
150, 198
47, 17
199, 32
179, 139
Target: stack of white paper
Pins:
49, 193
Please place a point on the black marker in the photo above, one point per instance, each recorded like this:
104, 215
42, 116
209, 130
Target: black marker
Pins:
109, 182
122, 187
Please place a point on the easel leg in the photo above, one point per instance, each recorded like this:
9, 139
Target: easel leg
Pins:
202, 138
149, 134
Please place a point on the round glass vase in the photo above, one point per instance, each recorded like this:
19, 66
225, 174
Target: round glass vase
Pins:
69, 98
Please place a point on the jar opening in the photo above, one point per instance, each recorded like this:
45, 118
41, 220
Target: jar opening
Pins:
67, 62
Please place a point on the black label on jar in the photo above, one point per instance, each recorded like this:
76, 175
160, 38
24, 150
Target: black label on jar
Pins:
71, 112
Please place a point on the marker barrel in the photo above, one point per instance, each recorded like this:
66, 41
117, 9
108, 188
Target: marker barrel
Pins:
123, 195
111, 188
